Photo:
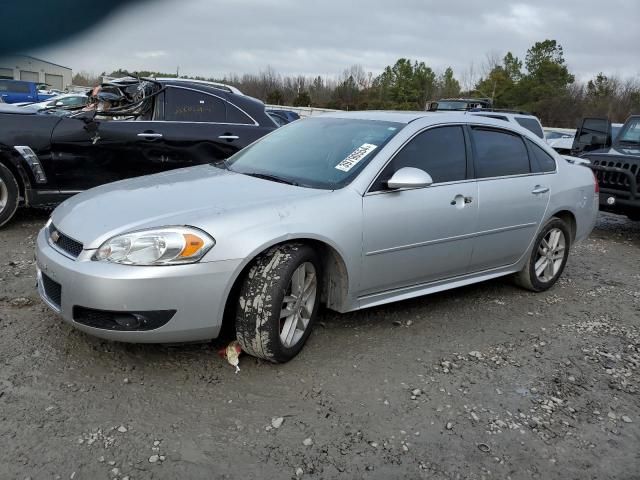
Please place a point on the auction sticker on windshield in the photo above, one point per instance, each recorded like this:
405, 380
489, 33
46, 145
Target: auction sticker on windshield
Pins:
355, 156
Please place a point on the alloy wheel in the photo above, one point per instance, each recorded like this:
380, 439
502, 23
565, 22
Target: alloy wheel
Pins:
550, 255
4, 195
297, 304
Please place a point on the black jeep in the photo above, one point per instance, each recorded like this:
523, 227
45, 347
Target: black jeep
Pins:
615, 161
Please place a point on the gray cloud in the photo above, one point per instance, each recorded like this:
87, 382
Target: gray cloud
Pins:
214, 38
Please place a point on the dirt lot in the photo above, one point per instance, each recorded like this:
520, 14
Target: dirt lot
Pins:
487, 381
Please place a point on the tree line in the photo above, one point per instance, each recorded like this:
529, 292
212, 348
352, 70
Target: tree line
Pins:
541, 83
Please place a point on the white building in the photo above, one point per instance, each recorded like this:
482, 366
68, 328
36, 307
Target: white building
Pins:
31, 69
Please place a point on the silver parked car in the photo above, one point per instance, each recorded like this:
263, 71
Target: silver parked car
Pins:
349, 210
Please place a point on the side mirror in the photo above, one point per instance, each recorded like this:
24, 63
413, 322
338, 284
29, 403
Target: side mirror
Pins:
409, 177
598, 139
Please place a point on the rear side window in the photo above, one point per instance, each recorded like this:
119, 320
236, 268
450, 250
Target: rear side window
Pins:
532, 125
541, 161
235, 115
182, 105
438, 151
499, 153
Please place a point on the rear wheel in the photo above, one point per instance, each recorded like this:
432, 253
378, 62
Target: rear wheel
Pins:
548, 257
9, 195
278, 302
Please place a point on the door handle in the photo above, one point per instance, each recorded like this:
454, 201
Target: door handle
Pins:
228, 137
538, 189
150, 135
462, 201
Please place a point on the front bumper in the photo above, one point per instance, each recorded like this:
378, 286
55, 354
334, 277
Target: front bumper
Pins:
197, 292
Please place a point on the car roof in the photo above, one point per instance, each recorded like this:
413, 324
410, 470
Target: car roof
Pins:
381, 115
203, 83
408, 116
432, 118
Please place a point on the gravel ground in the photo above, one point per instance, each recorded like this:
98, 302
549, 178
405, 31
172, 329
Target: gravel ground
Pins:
487, 381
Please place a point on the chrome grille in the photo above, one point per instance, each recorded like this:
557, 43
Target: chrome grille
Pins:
65, 243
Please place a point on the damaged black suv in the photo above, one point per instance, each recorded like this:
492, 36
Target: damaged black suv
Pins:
131, 127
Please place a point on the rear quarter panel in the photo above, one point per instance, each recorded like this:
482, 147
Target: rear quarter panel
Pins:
573, 190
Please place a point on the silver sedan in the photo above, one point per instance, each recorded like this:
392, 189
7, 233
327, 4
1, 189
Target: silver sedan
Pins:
348, 210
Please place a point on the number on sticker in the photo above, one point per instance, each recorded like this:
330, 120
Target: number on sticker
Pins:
355, 156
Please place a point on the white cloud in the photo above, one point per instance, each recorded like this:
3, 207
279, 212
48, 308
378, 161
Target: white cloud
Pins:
151, 54
214, 38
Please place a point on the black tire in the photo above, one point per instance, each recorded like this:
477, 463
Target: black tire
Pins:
258, 323
527, 278
9, 195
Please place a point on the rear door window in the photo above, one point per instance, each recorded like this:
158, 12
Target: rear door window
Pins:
541, 161
499, 153
184, 105
440, 152
532, 125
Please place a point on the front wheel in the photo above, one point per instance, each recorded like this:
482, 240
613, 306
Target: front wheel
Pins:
548, 257
9, 195
278, 302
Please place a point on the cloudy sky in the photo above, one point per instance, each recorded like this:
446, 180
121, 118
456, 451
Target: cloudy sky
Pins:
214, 38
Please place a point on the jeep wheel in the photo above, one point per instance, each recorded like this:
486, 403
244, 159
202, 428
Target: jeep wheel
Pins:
9, 194
548, 257
278, 302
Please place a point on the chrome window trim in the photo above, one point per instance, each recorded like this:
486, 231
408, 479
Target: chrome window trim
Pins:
189, 121
211, 95
395, 153
468, 180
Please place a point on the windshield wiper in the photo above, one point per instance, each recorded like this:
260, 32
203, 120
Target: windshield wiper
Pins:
273, 178
632, 142
221, 164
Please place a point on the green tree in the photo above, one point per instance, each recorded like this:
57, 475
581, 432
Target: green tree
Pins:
346, 95
512, 66
448, 85
275, 97
545, 87
302, 100
405, 85
600, 86
547, 51
500, 83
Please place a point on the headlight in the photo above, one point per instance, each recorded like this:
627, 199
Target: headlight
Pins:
159, 246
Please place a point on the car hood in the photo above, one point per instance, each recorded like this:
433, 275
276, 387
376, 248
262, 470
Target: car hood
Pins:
188, 196
617, 150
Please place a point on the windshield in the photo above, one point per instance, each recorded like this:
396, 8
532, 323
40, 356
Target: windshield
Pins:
455, 105
630, 131
325, 153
